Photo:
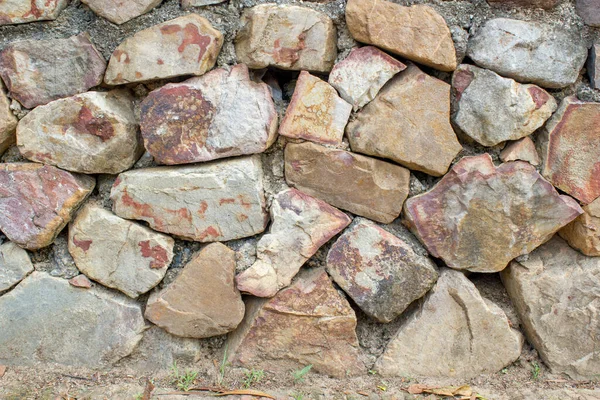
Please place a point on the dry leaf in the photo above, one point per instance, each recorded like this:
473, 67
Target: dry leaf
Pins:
452, 391
247, 392
148, 390
416, 388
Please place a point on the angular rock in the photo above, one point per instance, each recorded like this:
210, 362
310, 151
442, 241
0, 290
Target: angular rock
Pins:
589, 11
545, 4
408, 121
583, 233
216, 201
555, 292
360, 76
199, 3
379, 271
202, 301
221, 114
417, 32
301, 225
454, 333
523, 149
39, 71
287, 37
529, 51
362, 185
570, 149
19, 12
479, 217
37, 201
491, 109
15, 265
117, 253
188, 45
316, 112
308, 323
80, 281
593, 66
121, 11
92, 133
8, 122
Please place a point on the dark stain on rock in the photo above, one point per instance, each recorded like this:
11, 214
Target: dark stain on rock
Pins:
88, 123
539, 96
461, 81
82, 244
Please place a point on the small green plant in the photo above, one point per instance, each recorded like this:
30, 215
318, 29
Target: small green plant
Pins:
138, 396
301, 373
253, 376
223, 367
535, 370
372, 372
183, 379
504, 371
297, 396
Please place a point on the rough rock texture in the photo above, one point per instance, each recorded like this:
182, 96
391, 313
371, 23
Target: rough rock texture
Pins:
8, 122
37, 201
522, 149
556, 293
39, 71
529, 51
593, 66
221, 114
408, 121
360, 76
362, 185
92, 133
589, 11
121, 11
379, 271
119, 254
202, 301
316, 112
570, 149
301, 225
14, 265
417, 32
545, 4
287, 37
19, 11
583, 233
309, 323
454, 333
479, 217
491, 109
199, 3
188, 45
66, 325
216, 201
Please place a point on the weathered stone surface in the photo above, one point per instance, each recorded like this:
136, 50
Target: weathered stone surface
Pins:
66, 325
408, 121
545, 4
529, 51
360, 76
119, 254
570, 149
379, 271
14, 265
37, 201
491, 109
522, 149
199, 3
417, 32
589, 11
19, 11
8, 122
217, 201
301, 225
92, 133
479, 217
593, 66
555, 292
202, 301
221, 114
287, 37
454, 333
308, 323
316, 112
39, 71
121, 11
362, 185
583, 233
188, 45
80, 281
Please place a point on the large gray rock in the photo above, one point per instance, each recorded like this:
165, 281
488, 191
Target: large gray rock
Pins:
454, 333
556, 292
14, 265
529, 51
45, 319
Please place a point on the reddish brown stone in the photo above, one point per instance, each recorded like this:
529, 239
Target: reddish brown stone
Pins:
22, 11
81, 281
522, 149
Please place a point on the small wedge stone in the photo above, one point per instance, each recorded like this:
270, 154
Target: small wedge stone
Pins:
522, 149
15, 265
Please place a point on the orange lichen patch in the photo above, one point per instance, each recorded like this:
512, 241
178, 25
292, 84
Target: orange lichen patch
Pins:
88, 123
182, 213
157, 253
203, 207
288, 55
142, 210
242, 217
118, 56
210, 231
192, 36
226, 201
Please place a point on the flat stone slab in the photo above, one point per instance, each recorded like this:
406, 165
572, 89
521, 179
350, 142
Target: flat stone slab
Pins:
92, 133
120, 11
8, 122
188, 45
522, 149
119, 254
479, 216
216, 201
221, 114
300, 225
37, 201
15, 265
583, 233
19, 12
287, 37
589, 11
103, 327
39, 71
362, 185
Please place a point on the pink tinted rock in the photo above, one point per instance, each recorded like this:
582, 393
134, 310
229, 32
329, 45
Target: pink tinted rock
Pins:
81, 281
19, 11
8, 122
121, 11
522, 149
589, 11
